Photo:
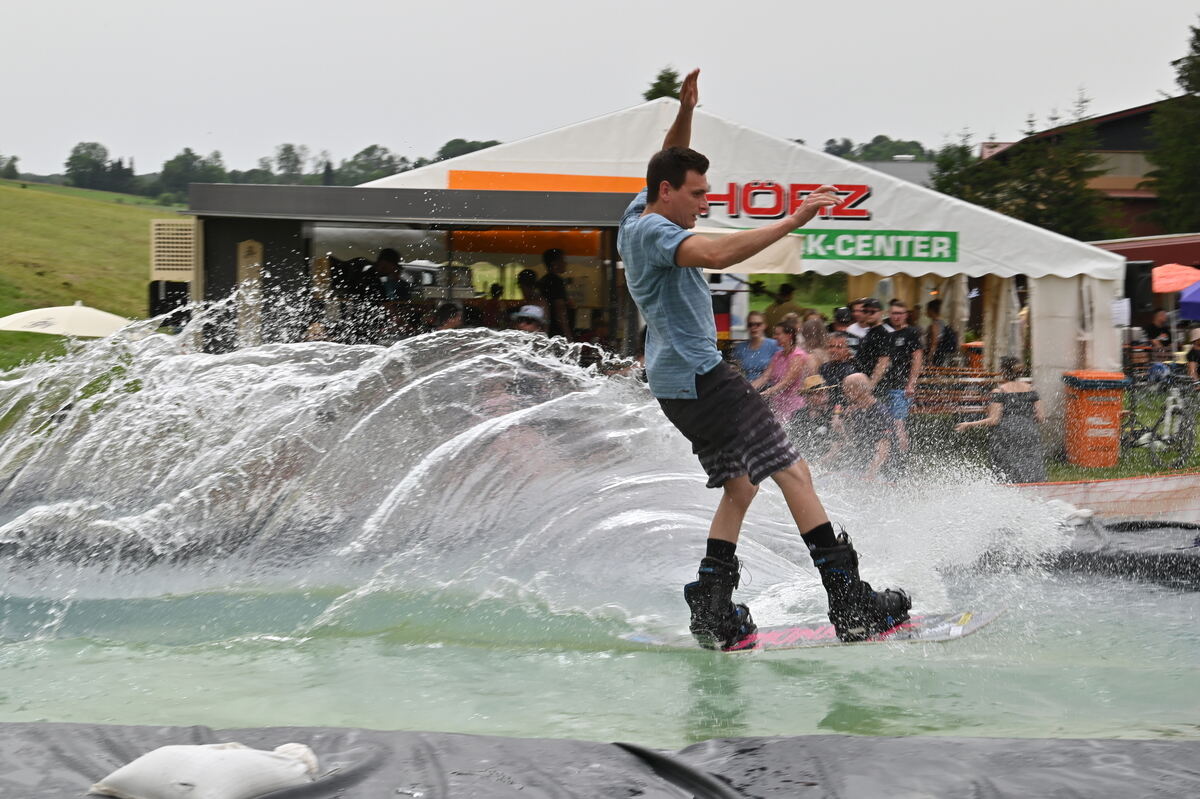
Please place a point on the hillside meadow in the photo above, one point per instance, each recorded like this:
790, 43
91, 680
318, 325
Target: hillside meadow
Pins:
60, 244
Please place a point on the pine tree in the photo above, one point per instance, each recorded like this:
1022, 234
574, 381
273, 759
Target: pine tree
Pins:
1175, 132
10, 171
666, 84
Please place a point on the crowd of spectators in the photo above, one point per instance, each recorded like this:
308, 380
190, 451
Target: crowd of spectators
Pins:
377, 301
845, 388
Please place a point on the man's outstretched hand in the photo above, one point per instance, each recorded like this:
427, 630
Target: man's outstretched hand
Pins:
824, 197
689, 90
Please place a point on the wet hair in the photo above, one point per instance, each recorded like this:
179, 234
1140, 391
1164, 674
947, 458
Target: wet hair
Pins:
672, 165
840, 335
1010, 368
526, 276
789, 329
445, 312
552, 256
933, 306
388, 255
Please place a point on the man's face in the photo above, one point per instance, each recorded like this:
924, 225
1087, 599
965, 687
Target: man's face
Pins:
839, 349
856, 311
898, 317
871, 316
684, 204
528, 325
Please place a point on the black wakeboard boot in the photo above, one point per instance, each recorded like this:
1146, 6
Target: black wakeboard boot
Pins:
717, 622
856, 610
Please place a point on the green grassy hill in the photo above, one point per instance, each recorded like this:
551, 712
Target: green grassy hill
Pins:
60, 244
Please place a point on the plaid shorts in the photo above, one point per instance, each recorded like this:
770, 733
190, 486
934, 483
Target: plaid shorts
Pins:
732, 430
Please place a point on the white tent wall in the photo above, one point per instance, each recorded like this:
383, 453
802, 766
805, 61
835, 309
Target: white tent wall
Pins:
885, 226
1072, 323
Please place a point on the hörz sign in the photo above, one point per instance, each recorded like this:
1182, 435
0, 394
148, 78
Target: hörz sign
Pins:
765, 199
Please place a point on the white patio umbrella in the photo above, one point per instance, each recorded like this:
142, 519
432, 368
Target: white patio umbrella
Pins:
65, 320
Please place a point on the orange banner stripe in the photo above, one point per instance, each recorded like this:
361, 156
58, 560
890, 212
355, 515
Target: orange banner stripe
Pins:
540, 181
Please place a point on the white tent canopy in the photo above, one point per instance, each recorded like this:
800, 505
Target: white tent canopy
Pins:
884, 227
923, 231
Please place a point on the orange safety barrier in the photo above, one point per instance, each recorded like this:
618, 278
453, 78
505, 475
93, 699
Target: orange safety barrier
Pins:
1093, 416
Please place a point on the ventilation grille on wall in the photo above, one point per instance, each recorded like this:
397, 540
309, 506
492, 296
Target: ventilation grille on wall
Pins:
174, 249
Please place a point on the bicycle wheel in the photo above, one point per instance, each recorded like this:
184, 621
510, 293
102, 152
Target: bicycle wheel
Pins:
1172, 444
1135, 431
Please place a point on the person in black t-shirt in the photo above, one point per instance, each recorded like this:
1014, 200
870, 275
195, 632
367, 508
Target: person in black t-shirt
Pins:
1158, 332
898, 384
554, 290
873, 348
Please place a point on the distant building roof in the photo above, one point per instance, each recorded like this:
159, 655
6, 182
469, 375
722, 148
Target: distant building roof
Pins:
917, 172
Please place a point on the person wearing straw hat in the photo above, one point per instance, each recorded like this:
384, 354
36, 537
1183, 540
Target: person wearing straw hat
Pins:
737, 439
813, 424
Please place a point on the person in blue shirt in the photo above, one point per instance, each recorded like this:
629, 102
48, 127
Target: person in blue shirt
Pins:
753, 354
737, 439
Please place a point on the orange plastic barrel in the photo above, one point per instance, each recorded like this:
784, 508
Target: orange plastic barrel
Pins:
1093, 416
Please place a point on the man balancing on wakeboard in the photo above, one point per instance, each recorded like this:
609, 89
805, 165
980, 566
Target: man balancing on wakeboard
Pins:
738, 440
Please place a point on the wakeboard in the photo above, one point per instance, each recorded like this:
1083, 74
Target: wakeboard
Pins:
927, 628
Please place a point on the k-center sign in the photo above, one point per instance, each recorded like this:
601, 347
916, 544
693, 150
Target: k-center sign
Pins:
764, 199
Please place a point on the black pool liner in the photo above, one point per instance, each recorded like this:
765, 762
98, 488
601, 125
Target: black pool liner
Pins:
1161, 552
44, 760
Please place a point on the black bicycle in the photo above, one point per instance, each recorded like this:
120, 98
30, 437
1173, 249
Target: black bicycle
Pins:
1161, 417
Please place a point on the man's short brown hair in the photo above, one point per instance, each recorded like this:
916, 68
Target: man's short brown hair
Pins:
672, 165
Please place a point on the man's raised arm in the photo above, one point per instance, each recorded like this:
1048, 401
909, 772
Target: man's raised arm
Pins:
724, 252
680, 132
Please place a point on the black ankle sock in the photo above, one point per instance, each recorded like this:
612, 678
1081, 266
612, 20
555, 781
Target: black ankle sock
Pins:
820, 537
721, 550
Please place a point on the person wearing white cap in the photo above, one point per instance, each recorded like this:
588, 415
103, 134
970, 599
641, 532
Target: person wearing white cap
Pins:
531, 319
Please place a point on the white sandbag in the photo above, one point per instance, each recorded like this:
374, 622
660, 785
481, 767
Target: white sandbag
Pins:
210, 771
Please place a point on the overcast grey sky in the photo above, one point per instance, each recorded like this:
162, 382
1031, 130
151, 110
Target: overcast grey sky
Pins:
147, 78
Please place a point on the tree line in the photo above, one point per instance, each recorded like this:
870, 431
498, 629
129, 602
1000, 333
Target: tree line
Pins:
90, 166
1043, 179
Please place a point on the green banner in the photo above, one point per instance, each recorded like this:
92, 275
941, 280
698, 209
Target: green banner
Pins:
880, 245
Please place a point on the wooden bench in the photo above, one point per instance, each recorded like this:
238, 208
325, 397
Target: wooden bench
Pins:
954, 389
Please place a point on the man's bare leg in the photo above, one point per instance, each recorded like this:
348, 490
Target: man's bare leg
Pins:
797, 486
737, 495
716, 620
856, 610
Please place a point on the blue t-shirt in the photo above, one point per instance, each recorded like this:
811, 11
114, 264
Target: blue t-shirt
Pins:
681, 333
754, 361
